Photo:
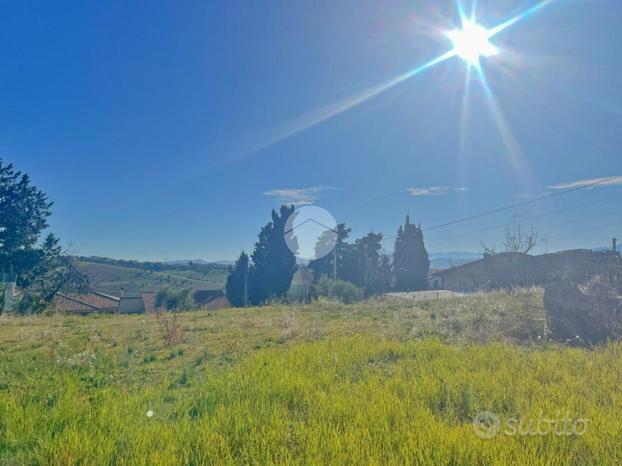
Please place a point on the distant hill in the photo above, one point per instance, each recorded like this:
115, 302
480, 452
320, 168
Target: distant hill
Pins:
114, 276
198, 262
187, 262
224, 262
447, 260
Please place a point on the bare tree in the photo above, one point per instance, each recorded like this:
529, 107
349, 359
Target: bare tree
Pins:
489, 249
516, 240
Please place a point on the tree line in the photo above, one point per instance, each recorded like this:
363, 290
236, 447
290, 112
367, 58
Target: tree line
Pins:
41, 268
151, 266
268, 272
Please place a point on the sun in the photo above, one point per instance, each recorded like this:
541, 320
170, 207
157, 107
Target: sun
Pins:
472, 42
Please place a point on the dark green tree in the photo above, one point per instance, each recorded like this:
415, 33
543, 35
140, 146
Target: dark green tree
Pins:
385, 274
348, 261
324, 265
42, 270
53, 271
274, 263
373, 266
411, 264
24, 211
237, 282
172, 300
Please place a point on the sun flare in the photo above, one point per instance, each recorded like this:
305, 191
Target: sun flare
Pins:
471, 42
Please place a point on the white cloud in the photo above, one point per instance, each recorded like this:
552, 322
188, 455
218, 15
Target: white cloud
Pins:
429, 191
436, 190
297, 196
591, 182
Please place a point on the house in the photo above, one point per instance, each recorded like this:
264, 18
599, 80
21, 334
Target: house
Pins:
507, 270
96, 302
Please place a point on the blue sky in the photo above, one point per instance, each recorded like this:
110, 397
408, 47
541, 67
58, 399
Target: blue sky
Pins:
170, 129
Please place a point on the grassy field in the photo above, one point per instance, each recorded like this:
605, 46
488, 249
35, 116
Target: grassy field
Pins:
375, 383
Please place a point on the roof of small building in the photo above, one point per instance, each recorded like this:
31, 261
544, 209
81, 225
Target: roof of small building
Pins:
91, 301
202, 297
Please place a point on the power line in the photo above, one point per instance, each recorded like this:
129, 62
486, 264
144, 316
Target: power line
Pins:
551, 212
522, 204
515, 206
585, 230
567, 233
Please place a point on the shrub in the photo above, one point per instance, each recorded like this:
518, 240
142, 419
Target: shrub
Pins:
341, 290
173, 300
585, 315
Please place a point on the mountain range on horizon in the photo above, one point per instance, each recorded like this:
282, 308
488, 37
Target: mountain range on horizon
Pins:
438, 260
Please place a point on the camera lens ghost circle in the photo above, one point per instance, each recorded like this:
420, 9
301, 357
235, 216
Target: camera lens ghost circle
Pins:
311, 233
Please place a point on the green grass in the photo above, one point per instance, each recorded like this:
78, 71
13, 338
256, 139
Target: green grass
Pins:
375, 383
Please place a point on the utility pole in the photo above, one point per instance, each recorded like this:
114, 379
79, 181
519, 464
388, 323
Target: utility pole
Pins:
615, 244
335, 262
246, 286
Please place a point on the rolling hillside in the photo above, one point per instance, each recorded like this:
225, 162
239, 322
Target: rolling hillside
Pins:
111, 278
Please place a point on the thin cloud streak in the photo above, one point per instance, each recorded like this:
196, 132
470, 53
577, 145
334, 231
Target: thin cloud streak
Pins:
298, 196
435, 190
606, 181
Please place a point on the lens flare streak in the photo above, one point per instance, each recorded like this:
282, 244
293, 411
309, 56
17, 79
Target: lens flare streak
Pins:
517, 158
333, 111
477, 44
503, 26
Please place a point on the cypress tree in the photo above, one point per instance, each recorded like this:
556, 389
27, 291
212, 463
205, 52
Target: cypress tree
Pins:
237, 282
274, 263
411, 264
373, 266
